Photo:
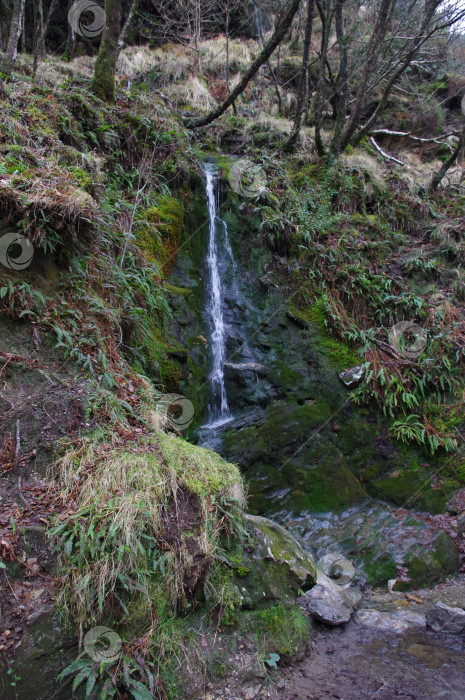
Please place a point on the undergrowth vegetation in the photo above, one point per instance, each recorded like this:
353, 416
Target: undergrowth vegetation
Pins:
364, 258
142, 544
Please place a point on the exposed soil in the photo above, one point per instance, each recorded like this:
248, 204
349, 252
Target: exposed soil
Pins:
40, 402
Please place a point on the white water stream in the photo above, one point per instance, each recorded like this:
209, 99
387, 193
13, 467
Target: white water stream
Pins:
218, 409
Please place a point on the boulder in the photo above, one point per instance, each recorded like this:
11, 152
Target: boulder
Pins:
278, 566
352, 377
442, 618
331, 604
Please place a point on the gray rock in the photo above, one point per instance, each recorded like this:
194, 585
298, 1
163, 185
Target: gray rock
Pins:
445, 619
397, 622
352, 377
255, 367
269, 279
329, 603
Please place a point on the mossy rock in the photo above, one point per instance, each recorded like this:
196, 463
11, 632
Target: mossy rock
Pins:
277, 565
386, 544
284, 426
337, 353
160, 235
409, 487
330, 486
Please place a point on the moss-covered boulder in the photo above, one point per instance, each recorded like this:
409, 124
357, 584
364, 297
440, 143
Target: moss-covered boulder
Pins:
278, 567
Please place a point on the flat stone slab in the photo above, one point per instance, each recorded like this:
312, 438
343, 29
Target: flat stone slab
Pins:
246, 367
397, 622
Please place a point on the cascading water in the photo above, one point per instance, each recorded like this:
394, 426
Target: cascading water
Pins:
219, 409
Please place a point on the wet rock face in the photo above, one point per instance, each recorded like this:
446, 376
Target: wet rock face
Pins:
278, 566
384, 544
446, 620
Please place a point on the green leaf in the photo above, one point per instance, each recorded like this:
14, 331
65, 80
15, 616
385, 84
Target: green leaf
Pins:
272, 660
139, 691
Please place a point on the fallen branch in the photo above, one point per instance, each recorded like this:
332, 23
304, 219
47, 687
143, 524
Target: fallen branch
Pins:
21, 495
278, 35
408, 134
384, 154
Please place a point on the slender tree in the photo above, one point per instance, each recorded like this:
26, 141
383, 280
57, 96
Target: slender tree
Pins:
103, 83
302, 94
435, 182
341, 81
70, 47
41, 32
127, 25
375, 44
325, 10
8, 63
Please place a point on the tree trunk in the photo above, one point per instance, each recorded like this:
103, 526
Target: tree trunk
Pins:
341, 96
70, 47
127, 25
39, 48
278, 36
448, 163
8, 63
302, 94
38, 33
321, 85
374, 47
103, 83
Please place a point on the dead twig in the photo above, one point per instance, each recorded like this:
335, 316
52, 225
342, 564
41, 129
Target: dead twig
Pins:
18, 444
21, 495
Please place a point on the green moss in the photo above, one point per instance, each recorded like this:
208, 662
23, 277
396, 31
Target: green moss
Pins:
285, 425
281, 630
412, 487
329, 486
160, 234
379, 569
336, 351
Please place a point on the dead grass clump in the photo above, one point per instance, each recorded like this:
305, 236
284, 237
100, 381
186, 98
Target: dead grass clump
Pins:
193, 93
45, 199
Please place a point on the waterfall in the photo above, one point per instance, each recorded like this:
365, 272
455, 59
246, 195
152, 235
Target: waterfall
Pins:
219, 409
258, 23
